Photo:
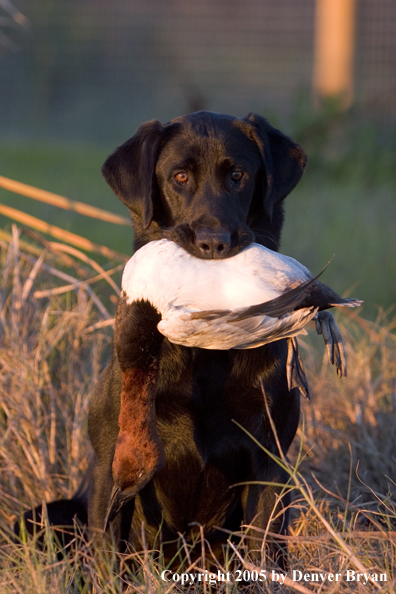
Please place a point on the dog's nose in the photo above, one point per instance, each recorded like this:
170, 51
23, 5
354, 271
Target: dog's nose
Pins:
212, 244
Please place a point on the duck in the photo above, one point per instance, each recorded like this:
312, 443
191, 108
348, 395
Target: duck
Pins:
253, 298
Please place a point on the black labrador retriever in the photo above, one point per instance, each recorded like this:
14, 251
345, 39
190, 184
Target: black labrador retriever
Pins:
213, 184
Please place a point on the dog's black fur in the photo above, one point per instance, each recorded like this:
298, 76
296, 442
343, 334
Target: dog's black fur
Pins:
213, 184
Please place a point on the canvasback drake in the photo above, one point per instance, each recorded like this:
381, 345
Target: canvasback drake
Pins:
245, 301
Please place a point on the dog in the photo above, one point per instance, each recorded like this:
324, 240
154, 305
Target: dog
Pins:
213, 184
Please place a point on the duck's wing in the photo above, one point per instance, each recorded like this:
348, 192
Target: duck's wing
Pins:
282, 317
225, 332
276, 308
311, 293
279, 306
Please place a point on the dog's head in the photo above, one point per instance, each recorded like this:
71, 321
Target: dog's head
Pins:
210, 182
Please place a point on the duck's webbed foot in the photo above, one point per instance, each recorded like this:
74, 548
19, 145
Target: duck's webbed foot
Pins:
295, 373
327, 327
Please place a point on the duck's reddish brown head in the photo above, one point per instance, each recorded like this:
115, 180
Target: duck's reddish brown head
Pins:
139, 452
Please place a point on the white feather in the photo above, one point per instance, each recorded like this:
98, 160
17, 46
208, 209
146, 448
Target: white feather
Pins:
178, 285
164, 273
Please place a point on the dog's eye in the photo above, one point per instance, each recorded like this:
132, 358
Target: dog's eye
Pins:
236, 176
181, 177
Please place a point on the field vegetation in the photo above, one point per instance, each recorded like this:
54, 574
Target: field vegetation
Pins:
56, 310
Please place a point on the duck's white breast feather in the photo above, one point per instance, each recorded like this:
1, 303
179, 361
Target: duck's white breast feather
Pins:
166, 275
178, 285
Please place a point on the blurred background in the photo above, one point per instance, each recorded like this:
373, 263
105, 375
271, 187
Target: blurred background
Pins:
78, 76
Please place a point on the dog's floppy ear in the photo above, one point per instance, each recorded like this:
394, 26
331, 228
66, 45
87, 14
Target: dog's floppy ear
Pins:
130, 170
284, 161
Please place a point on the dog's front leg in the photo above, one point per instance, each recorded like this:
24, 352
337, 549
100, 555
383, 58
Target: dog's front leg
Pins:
266, 508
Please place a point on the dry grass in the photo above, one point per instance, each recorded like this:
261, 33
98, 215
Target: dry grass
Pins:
55, 329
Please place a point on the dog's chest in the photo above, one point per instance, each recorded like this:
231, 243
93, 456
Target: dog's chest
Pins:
198, 405
202, 462
205, 450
